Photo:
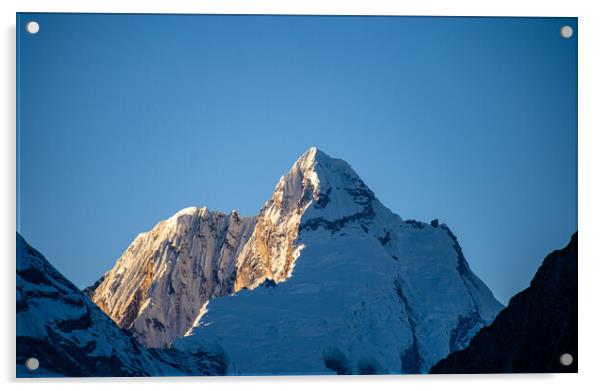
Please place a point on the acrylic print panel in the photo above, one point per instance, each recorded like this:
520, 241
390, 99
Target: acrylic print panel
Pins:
308, 195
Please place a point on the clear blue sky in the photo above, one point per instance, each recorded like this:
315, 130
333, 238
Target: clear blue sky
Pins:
125, 120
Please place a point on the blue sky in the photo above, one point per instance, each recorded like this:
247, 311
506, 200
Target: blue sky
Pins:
125, 119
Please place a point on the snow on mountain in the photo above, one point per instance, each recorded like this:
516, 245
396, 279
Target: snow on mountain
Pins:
71, 336
337, 283
164, 278
325, 279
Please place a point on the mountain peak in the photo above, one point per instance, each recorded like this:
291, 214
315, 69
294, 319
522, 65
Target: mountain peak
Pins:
317, 173
306, 162
324, 245
311, 157
317, 192
321, 204
189, 211
311, 152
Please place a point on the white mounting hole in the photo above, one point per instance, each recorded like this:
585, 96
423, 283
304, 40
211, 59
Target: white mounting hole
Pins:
566, 32
32, 27
566, 359
32, 363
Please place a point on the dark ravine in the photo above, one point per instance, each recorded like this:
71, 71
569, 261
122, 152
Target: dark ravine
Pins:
537, 327
410, 357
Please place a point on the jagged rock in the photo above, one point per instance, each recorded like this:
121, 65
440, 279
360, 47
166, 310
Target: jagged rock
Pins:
161, 282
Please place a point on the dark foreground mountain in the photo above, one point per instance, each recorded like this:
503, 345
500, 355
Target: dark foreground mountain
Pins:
537, 327
71, 336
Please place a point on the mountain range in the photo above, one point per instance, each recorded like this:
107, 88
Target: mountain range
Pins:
323, 280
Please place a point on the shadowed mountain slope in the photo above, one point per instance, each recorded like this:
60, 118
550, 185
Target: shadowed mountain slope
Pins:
537, 327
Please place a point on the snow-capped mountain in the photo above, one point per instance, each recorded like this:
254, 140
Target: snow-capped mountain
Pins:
349, 287
71, 336
324, 280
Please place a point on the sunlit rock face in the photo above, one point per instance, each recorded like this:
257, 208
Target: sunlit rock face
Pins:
272, 249
158, 286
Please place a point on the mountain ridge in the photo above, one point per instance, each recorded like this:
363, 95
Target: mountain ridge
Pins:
185, 259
